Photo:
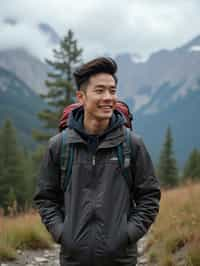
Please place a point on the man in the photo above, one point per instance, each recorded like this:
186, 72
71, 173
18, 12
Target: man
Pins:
99, 218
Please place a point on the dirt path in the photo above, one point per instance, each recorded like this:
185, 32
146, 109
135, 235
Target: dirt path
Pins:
51, 257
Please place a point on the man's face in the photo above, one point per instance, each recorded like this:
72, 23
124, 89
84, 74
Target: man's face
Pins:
99, 98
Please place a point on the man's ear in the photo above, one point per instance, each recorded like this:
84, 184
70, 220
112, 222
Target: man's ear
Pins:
80, 96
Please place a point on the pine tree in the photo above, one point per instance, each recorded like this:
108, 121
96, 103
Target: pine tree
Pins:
167, 167
29, 180
36, 159
61, 89
192, 166
12, 172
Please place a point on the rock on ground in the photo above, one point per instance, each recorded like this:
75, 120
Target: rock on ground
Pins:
51, 257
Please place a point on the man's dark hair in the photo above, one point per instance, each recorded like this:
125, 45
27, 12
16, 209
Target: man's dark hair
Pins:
93, 67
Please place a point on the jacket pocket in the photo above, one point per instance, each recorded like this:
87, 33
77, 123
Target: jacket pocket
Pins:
66, 236
117, 241
56, 231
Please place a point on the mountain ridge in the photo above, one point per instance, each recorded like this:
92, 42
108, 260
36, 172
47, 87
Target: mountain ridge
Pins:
162, 91
21, 105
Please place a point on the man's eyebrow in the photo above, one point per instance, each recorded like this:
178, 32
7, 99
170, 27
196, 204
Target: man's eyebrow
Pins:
105, 86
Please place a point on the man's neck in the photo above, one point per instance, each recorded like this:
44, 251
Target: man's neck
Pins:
95, 127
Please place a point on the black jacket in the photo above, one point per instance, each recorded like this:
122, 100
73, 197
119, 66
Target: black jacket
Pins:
97, 220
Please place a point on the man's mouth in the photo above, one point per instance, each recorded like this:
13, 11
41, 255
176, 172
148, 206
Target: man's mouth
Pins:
106, 107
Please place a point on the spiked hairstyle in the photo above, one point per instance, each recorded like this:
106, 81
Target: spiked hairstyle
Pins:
93, 67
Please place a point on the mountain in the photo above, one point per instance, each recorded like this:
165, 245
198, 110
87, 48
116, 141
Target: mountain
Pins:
26, 67
50, 32
182, 116
165, 91
10, 21
191, 44
20, 104
141, 80
43, 27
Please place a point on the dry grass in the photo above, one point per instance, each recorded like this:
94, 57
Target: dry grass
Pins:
176, 234
193, 256
20, 232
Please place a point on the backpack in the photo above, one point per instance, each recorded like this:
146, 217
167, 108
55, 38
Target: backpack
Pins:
120, 106
125, 151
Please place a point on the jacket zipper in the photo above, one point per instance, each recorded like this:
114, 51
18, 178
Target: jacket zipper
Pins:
93, 217
93, 160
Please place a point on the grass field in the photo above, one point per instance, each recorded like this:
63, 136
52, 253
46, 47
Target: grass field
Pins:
175, 238
22, 232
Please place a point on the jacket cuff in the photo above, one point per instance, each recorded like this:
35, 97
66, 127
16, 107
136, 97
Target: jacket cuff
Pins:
134, 233
56, 231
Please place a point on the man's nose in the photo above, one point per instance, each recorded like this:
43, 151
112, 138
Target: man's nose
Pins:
107, 95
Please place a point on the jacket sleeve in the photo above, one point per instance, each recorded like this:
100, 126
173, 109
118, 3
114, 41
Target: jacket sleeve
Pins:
49, 197
146, 193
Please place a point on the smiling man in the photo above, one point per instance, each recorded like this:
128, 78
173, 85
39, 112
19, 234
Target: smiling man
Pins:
98, 97
100, 217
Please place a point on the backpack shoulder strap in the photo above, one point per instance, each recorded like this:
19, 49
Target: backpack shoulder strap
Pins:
128, 144
66, 159
126, 154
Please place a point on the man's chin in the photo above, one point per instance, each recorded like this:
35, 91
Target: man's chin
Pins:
105, 117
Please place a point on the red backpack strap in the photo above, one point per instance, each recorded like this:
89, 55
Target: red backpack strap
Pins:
64, 118
124, 109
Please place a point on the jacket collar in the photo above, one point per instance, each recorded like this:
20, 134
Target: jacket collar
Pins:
112, 139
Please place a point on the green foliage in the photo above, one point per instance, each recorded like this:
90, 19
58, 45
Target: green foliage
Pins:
36, 159
29, 180
10, 198
192, 166
61, 88
167, 167
18, 171
12, 172
37, 155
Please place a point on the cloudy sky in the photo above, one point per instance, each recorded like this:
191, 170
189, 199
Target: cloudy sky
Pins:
111, 27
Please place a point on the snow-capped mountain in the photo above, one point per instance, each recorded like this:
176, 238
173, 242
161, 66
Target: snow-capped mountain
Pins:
142, 80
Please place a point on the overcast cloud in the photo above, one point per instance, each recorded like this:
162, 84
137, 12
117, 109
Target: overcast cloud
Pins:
101, 27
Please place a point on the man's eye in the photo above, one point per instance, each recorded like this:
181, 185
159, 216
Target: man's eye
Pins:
99, 91
113, 91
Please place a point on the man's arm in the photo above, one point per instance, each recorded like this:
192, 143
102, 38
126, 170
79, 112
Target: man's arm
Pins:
146, 192
49, 197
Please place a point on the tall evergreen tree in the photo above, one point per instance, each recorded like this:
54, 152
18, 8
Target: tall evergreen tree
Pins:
192, 166
167, 166
35, 162
61, 89
12, 172
29, 180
